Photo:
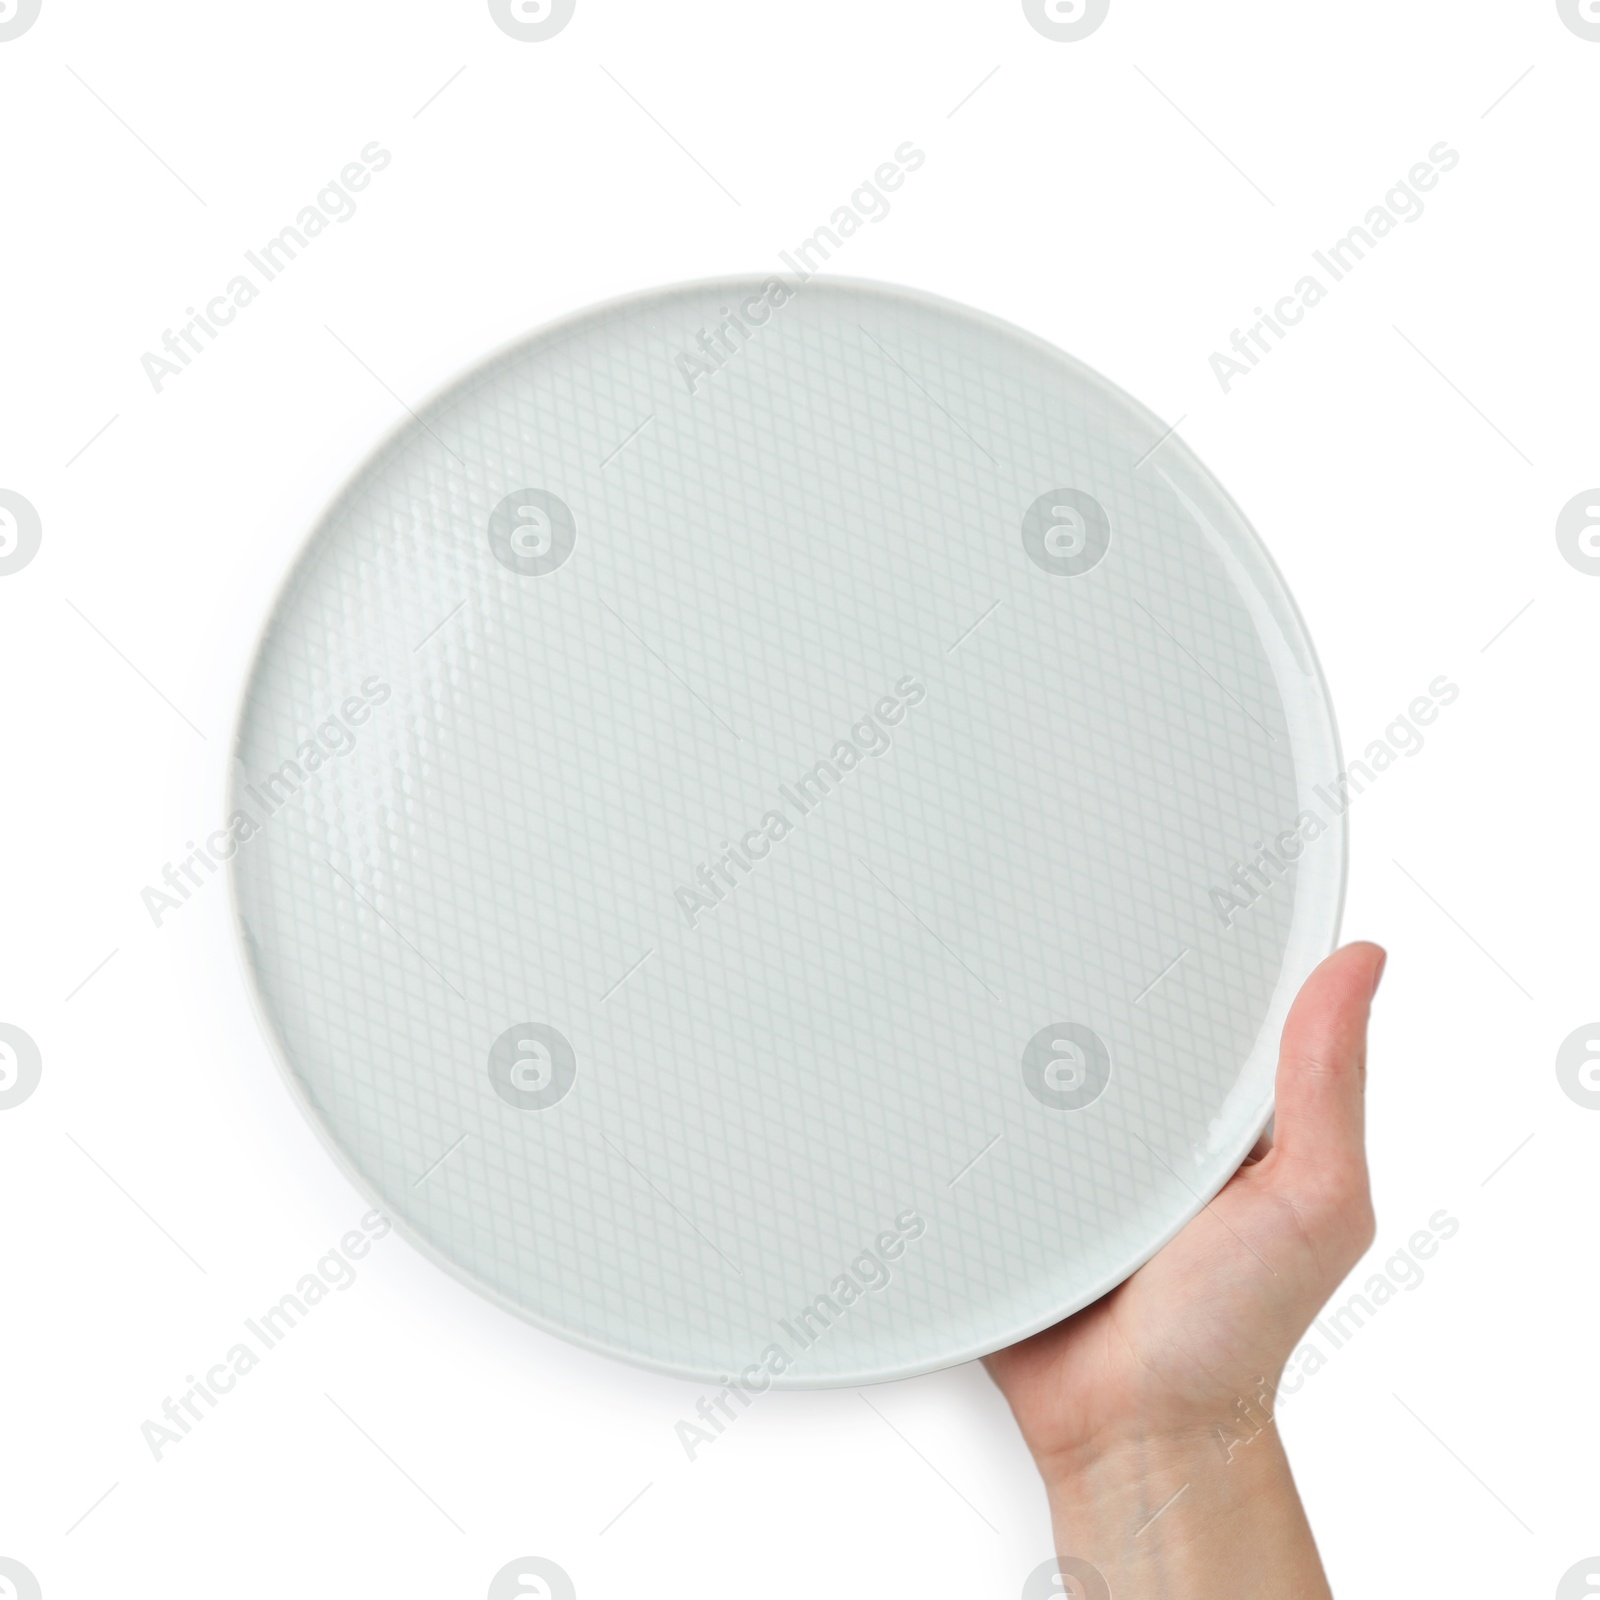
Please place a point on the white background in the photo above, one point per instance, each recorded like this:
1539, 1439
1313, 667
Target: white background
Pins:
160, 1185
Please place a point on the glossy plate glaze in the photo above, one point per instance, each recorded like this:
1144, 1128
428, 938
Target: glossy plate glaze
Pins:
778, 831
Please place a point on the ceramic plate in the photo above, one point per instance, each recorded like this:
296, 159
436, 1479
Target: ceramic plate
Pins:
777, 828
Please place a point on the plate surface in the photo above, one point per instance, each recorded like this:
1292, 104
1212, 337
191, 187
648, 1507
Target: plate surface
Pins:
775, 831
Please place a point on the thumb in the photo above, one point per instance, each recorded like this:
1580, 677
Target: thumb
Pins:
1320, 1133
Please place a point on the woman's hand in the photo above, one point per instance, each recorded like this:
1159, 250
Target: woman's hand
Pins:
1140, 1402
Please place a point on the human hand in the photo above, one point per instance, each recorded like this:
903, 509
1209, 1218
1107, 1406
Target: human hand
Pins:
1125, 1404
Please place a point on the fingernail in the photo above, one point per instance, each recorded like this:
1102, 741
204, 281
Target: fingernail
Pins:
1377, 977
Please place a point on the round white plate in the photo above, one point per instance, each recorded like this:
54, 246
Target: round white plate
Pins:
776, 831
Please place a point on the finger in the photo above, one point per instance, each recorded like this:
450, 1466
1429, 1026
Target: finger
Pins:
1322, 1067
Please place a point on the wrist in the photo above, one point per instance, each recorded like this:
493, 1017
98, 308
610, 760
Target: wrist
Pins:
1137, 1472
1193, 1510
1219, 1425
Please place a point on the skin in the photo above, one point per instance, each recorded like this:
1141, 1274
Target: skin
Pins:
1138, 1398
